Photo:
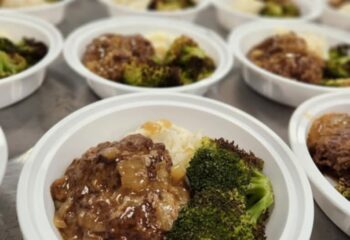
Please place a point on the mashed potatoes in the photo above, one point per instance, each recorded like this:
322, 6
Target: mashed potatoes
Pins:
248, 6
136, 4
180, 143
21, 3
161, 42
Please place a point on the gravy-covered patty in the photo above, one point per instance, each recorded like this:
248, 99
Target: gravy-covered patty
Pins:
119, 190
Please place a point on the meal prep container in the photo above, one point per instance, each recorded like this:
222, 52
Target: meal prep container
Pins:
214, 45
53, 12
328, 198
230, 18
189, 14
335, 18
283, 90
3, 154
291, 216
21, 85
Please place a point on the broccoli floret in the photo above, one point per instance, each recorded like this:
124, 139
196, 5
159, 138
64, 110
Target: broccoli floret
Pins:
222, 165
32, 50
214, 215
280, 9
147, 74
11, 64
341, 82
343, 187
7, 46
185, 54
338, 64
219, 168
170, 5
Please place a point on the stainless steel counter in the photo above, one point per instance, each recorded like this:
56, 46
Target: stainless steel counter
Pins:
64, 92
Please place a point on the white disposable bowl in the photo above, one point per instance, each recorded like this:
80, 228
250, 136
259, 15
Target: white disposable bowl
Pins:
328, 198
21, 85
335, 18
278, 88
3, 154
53, 13
77, 42
230, 18
189, 14
292, 214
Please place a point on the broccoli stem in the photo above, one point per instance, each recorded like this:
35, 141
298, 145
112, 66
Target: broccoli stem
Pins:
259, 195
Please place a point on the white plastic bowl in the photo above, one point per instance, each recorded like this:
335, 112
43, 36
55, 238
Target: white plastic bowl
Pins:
21, 85
293, 212
3, 154
335, 18
77, 42
53, 12
278, 88
230, 18
189, 14
328, 198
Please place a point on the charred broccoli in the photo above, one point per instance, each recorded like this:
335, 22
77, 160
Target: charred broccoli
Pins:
15, 58
231, 195
275, 8
338, 64
214, 215
170, 5
343, 187
185, 54
146, 74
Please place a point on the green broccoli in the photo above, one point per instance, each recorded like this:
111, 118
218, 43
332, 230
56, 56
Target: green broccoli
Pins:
280, 9
32, 50
11, 64
343, 187
338, 64
185, 54
148, 74
217, 167
170, 5
7, 46
341, 82
214, 215
224, 178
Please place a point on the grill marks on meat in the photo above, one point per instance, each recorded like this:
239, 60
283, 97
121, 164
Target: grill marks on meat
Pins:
119, 190
287, 55
329, 143
107, 54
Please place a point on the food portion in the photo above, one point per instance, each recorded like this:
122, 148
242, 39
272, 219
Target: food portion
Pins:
24, 3
268, 8
305, 58
133, 189
329, 145
16, 57
135, 60
158, 5
340, 5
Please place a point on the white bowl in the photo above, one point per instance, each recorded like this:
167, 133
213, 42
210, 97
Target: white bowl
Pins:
335, 18
3, 154
328, 198
77, 42
293, 212
278, 88
53, 12
189, 14
21, 85
230, 18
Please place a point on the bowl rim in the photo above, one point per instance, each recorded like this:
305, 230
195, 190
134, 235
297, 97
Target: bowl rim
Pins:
314, 13
3, 154
199, 7
235, 39
37, 8
303, 231
55, 43
299, 122
74, 61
